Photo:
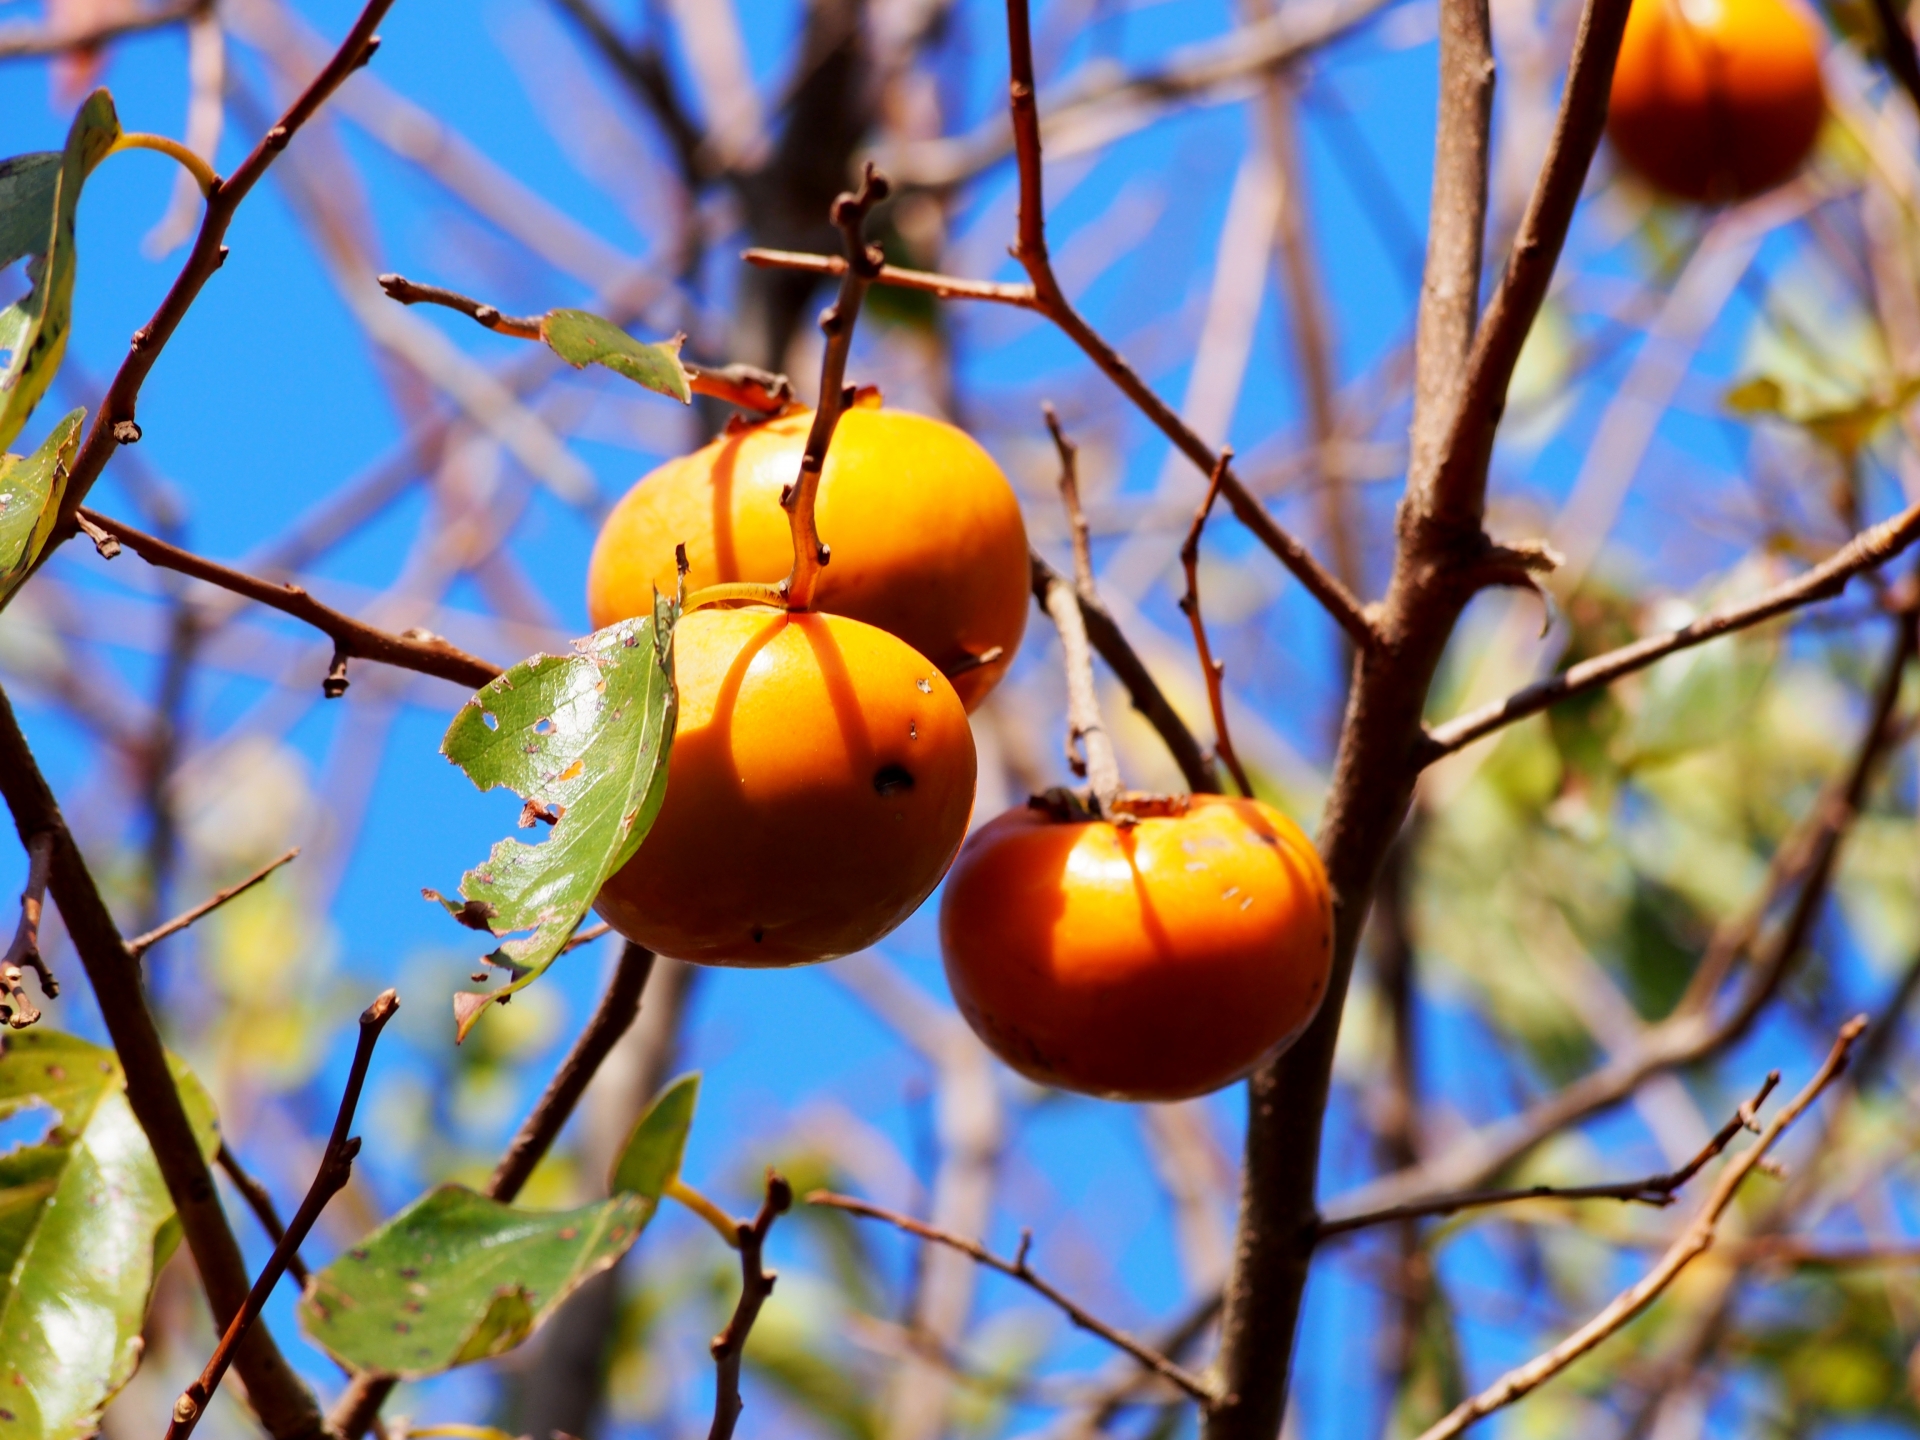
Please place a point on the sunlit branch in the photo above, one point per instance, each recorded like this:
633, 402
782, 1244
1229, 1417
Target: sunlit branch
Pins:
140, 944
1655, 1190
352, 639
28, 41
756, 1284
1018, 1269
1693, 1242
336, 1168
1866, 551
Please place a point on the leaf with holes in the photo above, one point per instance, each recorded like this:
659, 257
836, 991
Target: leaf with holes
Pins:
456, 1277
31, 488
33, 331
85, 1225
581, 339
651, 1160
583, 738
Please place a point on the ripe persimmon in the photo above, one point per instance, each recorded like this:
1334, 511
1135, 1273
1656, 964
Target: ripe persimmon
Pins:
1154, 962
1716, 99
925, 532
820, 782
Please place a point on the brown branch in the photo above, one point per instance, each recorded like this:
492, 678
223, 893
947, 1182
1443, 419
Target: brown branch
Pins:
756, 1284
1693, 1242
284, 1404
1458, 491
946, 287
1094, 757
1692, 1033
116, 423
140, 944
358, 1407
1018, 1269
747, 386
27, 41
264, 1210
336, 1168
1868, 550
1658, 1191
352, 639
1214, 670
810, 554
25, 950
1104, 634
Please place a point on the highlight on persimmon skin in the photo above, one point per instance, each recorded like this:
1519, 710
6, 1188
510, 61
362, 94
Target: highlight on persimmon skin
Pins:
819, 785
925, 533
1156, 962
1716, 100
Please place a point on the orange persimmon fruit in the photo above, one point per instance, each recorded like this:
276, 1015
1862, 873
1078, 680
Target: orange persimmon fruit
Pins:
1153, 962
820, 783
925, 533
1716, 100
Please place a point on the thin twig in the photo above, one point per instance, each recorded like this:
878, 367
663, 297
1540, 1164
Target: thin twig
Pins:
810, 554
358, 1407
20, 1012
1896, 47
336, 1167
747, 386
1658, 1191
1094, 758
1104, 634
27, 41
352, 639
1693, 1242
1214, 670
140, 944
116, 422
1018, 1269
945, 287
1868, 550
1046, 296
756, 1284
264, 1210
285, 1406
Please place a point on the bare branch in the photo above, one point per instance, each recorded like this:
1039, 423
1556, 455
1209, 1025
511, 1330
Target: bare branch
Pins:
140, 944
408, 292
358, 1407
1658, 1191
413, 650
1868, 550
1214, 670
1018, 1269
1693, 1242
336, 1167
284, 1404
810, 554
264, 1210
25, 950
946, 287
1896, 47
1142, 689
1094, 758
115, 425
756, 1284
23, 41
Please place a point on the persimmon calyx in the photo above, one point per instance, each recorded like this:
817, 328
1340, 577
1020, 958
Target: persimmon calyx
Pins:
1078, 806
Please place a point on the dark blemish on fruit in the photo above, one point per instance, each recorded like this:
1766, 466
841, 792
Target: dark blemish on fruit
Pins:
892, 779
758, 934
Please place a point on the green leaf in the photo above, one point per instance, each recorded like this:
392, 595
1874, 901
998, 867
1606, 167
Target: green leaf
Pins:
581, 339
584, 736
30, 493
651, 1160
456, 1277
85, 1224
28, 184
33, 331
